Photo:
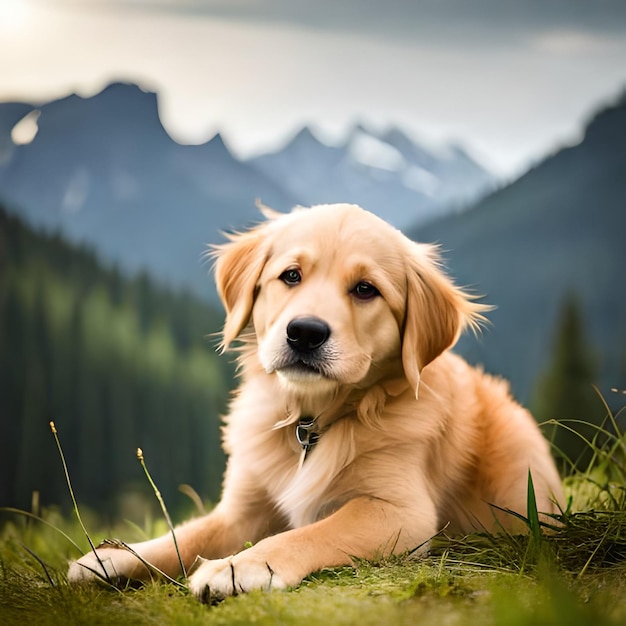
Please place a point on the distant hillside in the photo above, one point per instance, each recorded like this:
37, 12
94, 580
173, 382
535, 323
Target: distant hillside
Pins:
116, 364
558, 230
103, 170
387, 173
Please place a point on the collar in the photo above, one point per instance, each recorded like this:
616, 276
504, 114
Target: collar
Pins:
307, 434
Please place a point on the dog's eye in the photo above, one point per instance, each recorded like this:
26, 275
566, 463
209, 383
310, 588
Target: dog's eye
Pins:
365, 291
291, 277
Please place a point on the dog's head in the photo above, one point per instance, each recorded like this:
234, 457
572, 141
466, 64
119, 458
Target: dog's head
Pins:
336, 296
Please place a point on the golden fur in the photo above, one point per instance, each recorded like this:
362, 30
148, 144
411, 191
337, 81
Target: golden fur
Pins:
412, 439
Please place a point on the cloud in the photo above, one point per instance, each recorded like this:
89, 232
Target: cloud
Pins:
403, 18
573, 42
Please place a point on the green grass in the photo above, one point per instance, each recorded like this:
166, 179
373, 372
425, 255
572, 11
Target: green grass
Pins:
573, 574
481, 579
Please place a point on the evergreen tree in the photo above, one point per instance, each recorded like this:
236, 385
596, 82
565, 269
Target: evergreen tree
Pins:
565, 393
116, 363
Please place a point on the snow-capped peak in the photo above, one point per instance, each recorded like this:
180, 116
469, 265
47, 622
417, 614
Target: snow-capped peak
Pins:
368, 150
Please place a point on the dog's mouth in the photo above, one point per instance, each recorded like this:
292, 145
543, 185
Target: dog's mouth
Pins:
299, 367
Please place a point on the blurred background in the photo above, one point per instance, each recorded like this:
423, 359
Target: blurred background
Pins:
134, 132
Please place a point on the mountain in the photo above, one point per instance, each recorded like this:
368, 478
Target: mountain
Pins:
385, 172
557, 231
103, 170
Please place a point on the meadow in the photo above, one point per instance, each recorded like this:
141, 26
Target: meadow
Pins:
570, 570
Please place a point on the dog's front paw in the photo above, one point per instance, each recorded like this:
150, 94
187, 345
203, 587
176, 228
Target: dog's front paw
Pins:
113, 565
217, 579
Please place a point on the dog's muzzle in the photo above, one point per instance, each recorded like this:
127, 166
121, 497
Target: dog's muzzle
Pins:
306, 349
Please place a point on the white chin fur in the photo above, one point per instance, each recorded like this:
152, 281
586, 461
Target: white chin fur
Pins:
309, 383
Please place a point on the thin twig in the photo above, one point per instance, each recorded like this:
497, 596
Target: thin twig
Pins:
116, 543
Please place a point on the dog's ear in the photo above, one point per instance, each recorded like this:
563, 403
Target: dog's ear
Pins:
238, 265
436, 312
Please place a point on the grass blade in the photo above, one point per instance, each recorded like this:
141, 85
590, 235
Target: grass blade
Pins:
76, 511
10, 509
157, 493
532, 513
41, 562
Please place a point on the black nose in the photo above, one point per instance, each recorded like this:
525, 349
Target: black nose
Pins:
306, 334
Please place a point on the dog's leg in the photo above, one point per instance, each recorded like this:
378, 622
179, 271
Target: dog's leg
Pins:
222, 532
363, 528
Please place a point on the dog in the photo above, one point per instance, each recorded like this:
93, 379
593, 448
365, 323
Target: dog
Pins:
355, 432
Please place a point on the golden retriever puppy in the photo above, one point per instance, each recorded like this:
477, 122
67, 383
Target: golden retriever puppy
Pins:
354, 432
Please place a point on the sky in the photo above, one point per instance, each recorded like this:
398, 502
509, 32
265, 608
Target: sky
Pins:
511, 81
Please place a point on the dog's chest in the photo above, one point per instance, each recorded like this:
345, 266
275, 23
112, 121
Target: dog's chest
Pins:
303, 488
307, 497
314, 487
